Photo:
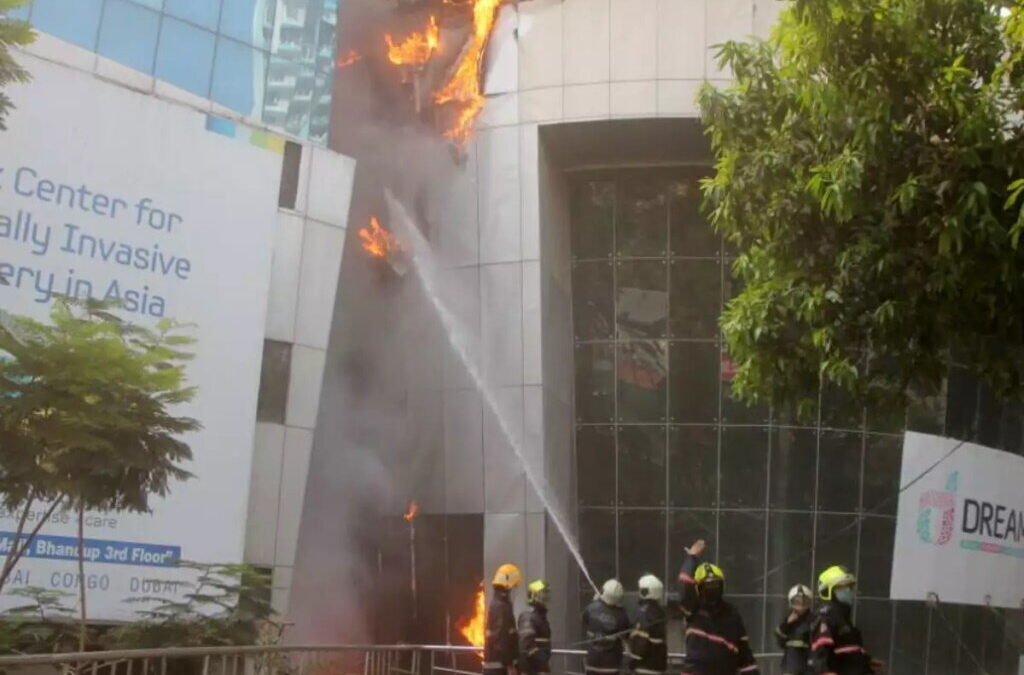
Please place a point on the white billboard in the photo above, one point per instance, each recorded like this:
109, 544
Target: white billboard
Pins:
960, 528
118, 195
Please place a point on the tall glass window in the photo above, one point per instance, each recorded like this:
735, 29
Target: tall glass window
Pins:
666, 455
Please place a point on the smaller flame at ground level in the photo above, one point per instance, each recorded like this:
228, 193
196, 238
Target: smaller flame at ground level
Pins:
472, 628
377, 241
347, 59
415, 49
411, 512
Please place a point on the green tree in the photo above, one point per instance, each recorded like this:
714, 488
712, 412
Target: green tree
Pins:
227, 605
40, 625
869, 170
12, 34
86, 417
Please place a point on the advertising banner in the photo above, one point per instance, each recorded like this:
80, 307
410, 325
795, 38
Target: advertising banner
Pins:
113, 194
960, 528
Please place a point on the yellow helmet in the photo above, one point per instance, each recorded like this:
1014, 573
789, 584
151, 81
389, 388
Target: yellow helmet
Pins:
538, 592
837, 575
708, 572
507, 576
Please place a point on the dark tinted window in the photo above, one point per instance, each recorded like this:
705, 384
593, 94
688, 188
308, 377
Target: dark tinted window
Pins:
595, 465
289, 189
642, 465
274, 378
693, 466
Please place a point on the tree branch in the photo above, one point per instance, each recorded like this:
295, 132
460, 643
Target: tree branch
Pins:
17, 556
10, 561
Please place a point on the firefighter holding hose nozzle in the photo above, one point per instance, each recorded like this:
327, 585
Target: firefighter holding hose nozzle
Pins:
605, 625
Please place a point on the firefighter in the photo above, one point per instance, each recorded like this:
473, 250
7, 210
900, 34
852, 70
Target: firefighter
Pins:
716, 640
501, 642
605, 625
794, 633
837, 647
535, 631
647, 648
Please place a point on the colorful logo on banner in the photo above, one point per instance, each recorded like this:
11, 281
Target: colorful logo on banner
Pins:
936, 513
937, 521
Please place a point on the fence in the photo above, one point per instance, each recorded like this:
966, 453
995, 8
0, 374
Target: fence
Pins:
286, 660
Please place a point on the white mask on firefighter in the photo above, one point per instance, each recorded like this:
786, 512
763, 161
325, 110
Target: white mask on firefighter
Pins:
651, 588
611, 593
844, 595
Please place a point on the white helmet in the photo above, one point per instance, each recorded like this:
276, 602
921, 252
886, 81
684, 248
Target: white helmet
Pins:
800, 590
651, 588
611, 593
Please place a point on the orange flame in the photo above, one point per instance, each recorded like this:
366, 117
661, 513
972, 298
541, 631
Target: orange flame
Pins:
415, 49
472, 628
377, 241
350, 57
464, 88
411, 512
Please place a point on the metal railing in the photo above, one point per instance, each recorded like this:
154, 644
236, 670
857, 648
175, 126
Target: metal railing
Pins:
286, 660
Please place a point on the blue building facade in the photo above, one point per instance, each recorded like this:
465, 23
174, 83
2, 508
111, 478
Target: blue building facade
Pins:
271, 60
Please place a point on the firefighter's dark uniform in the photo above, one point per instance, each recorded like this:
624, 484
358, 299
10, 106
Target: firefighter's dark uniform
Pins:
605, 628
501, 642
716, 639
795, 641
837, 647
648, 650
534, 641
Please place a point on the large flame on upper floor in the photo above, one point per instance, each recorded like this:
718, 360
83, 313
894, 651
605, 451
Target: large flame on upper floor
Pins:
415, 49
472, 627
465, 87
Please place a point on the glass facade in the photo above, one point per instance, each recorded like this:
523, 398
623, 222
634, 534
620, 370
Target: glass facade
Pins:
272, 60
665, 455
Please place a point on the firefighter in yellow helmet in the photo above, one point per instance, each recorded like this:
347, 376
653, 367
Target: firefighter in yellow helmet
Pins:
501, 641
535, 631
837, 647
716, 639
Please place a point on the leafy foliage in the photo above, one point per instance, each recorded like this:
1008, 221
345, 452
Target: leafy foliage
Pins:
227, 605
870, 170
85, 410
41, 625
12, 33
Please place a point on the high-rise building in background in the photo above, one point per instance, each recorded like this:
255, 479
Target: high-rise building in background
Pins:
271, 61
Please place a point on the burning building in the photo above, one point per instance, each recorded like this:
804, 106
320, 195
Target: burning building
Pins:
549, 154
